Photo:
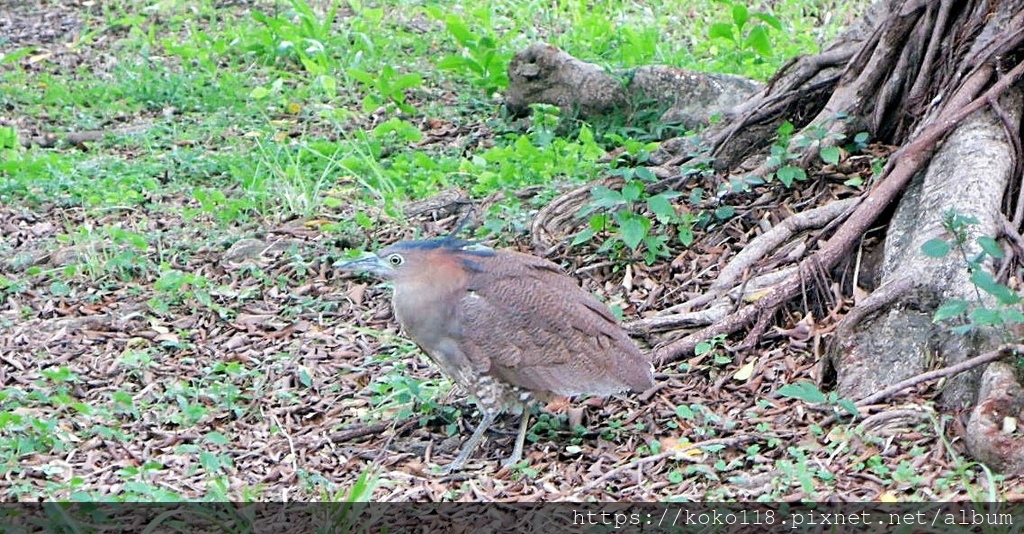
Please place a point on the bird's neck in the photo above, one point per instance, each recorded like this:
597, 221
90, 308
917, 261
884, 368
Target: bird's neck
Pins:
423, 306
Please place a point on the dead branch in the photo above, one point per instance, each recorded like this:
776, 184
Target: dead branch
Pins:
359, 431
675, 321
75, 139
710, 313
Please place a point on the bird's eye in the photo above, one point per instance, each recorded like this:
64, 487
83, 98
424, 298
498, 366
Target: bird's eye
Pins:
395, 259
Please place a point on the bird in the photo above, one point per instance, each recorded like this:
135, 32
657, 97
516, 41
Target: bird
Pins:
508, 327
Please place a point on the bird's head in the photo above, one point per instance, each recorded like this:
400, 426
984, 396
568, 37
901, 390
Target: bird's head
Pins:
416, 257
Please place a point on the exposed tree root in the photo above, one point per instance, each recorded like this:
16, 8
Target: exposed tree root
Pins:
367, 430
941, 80
544, 74
769, 242
898, 172
884, 395
81, 139
879, 298
558, 219
992, 433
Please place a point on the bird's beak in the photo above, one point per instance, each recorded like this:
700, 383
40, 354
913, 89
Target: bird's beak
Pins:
368, 262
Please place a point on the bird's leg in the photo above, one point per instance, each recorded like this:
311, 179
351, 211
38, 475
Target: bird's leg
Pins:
467, 449
517, 450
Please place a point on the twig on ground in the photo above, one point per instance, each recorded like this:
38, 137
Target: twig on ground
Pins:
679, 453
358, 431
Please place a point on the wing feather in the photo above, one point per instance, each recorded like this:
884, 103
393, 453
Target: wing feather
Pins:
542, 332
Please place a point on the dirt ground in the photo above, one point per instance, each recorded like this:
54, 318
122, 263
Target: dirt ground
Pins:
292, 380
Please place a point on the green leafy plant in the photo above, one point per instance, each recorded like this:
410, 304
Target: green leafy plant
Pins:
14, 56
217, 203
638, 46
624, 222
787, 150
385, 88
818, 137
810, 393
480, 58
100, 252
402, 397
703, 420
293, 179
746, 34
299, 36
781, 158
859, 143
9, 144
800, 470
714, 346
174, 288
344, 508
622, 214
972, 315
523, 160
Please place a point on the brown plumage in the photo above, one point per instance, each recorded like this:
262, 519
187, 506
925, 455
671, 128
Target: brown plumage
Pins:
506, 326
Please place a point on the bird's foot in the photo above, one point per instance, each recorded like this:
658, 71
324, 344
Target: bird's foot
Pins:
445, 469
454, 467
511, 462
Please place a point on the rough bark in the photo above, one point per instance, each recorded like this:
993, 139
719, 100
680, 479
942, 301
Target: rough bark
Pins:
992, 435
798, 92
966, 101
545, 74
968, 175
940, 81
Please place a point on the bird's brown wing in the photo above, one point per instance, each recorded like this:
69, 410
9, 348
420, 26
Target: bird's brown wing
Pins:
533, 327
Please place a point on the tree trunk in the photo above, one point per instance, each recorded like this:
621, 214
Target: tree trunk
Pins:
968, 175
939, 83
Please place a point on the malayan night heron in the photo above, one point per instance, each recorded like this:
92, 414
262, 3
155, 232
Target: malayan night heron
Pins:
506, 326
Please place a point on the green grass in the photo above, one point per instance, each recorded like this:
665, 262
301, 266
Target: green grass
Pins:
319, 71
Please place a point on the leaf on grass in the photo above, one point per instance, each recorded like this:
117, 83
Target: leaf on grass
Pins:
848, 406
788, 174
661, 207
632, 230
758, 40
685, 235
631, 191
586, 235
740, 15
721, 30
769, 19
987, 283
456, 63
460, 31
804, 391
985, 317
